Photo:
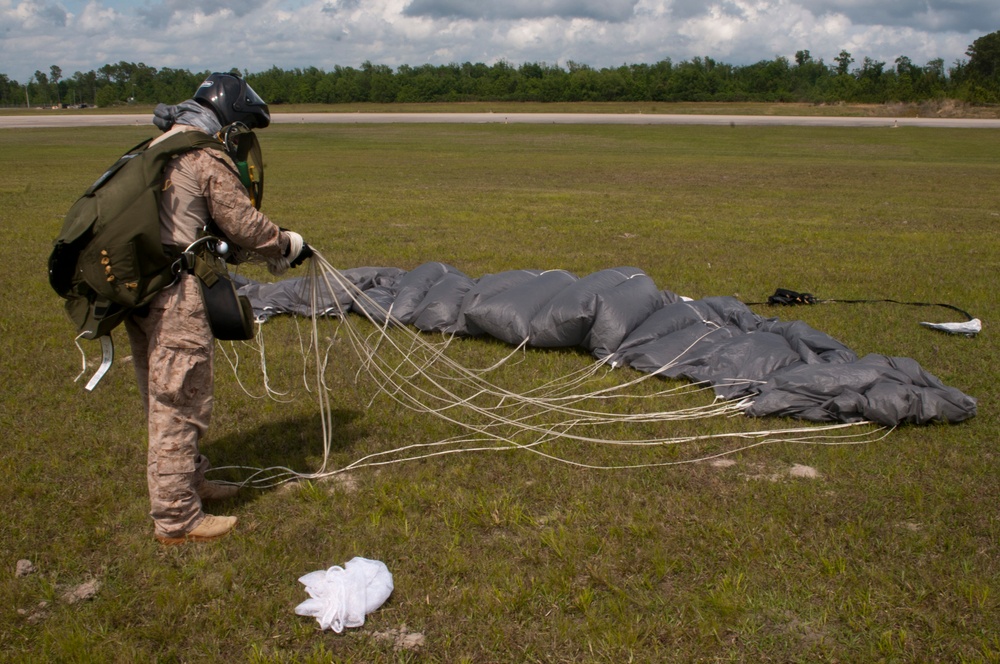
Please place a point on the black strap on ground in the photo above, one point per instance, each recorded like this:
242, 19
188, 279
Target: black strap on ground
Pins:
786, 297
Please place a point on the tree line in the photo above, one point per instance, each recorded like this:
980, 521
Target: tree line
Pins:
976, 81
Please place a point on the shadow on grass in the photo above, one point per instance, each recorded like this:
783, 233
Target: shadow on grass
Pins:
295, 443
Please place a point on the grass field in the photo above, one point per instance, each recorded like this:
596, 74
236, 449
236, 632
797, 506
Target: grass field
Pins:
889, 554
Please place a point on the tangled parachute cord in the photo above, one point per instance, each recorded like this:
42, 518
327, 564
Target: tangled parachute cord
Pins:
406, 367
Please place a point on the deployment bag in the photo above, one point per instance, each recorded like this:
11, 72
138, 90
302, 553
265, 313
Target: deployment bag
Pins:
109, 258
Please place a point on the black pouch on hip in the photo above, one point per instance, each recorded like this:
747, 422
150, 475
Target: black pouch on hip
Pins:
230, 315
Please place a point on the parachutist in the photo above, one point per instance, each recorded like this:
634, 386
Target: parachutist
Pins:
172, 338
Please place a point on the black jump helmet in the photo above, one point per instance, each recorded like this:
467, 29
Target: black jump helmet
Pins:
233, 101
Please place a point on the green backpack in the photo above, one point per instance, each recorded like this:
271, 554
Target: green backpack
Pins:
108, 258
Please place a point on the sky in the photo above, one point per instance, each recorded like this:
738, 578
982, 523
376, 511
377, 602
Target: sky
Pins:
255, 35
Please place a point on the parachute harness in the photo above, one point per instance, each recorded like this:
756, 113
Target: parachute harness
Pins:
416, 373
969, 328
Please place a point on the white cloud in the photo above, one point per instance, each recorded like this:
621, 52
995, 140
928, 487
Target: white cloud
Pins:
95, 19
602, 10
33, 16
932, 15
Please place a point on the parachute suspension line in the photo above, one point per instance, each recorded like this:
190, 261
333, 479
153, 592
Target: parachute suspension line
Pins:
234, 362
83, 357
423, 379
262, 478
273, 394
502, 361
323, 392
769, 438
305, 354
548, 405
282, 475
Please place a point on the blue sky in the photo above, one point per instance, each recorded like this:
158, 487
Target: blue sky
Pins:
254, 35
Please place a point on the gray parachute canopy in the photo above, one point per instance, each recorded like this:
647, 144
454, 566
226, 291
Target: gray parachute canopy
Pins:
781, 368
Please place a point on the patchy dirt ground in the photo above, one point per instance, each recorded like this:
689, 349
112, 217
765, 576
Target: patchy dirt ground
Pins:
84, 591
69, 595
24, 568
401, 638
757, 471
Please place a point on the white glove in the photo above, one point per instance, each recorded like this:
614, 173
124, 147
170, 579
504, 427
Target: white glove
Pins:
278, 266
295, 243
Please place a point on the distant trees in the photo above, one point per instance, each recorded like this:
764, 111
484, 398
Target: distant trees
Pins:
9, 91
983, 69
984, 56
807, 79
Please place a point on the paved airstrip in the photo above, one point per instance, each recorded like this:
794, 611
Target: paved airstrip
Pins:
79, 120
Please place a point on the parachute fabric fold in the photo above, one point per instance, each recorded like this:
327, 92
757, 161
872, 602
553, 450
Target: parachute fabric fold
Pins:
782, 368
292, 296
887, 390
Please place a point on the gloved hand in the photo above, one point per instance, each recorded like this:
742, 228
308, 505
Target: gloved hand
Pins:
306, 252
298, 250
295, 254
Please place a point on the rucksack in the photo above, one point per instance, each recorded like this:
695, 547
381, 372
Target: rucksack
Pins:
109, 258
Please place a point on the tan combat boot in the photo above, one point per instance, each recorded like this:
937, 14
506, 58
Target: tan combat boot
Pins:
216, 490
210, 528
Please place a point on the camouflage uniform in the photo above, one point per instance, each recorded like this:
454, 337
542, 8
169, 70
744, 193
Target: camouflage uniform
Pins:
172, 345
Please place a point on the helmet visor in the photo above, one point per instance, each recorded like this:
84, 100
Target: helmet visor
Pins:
252, 97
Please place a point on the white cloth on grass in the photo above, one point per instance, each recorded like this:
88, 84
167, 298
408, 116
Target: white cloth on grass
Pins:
342, 596
969, 328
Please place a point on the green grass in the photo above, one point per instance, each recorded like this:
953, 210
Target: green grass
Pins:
890, 555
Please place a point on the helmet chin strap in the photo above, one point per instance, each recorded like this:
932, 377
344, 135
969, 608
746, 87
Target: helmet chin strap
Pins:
245, 153
230, 134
